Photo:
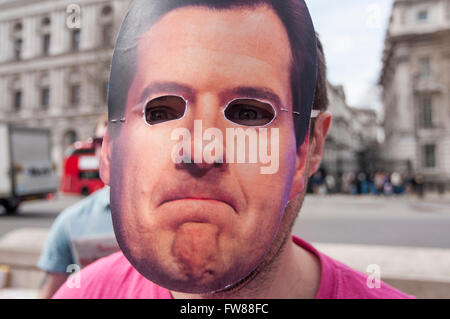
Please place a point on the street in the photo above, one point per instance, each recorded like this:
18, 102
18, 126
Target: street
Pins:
372, 220
40, 213
392, 221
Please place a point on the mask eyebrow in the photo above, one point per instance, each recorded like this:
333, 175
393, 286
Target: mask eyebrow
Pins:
260, 93
167, 88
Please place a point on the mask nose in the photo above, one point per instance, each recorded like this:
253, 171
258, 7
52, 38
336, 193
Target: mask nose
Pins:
207, 150
201, 168
207, 142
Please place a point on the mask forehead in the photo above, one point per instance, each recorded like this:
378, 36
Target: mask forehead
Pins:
217, 54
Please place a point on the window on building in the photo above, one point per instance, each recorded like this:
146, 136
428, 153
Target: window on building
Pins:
104, 91
107, 23
16, 37
424, 68
17, 101
448, 9
69, 138
45, 98
427, 111
46, 21
18, 49
107, 11
429, 152
108, 35
76, 40
17, 27
422, 15
46, 40
75, 95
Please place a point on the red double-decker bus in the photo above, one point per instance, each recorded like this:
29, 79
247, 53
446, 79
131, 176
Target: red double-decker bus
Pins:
81, 169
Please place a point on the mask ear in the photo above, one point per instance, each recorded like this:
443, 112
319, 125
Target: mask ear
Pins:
105, 159
309, 156
300, 168
321, 127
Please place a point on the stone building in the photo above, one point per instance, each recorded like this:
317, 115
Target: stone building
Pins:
54, 64
353, 131
416, 89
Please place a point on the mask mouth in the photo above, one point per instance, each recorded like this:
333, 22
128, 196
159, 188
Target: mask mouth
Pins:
196, 203
193, 194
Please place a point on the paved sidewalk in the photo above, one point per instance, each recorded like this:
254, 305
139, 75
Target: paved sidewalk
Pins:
427, 263
20, 251
17, 293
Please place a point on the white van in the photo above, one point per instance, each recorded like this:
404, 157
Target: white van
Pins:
26, 169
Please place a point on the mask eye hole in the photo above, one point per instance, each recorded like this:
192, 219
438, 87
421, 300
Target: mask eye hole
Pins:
248, 112
164, 109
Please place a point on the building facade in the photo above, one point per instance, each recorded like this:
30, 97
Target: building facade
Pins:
416, 89
54, 65
353, 131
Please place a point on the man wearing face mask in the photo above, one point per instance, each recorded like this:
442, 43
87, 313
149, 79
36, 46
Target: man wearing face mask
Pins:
202, 228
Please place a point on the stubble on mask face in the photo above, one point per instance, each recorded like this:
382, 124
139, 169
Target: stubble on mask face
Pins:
196, 248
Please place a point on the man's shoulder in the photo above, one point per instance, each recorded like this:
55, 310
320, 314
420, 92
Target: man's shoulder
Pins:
111, 277
109, 269
86, 205
339, 281
96, 279
353, 284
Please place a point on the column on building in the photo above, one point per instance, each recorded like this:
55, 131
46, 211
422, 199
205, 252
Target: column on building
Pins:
6, 48
60, 33
58, 98
31, 38
89, 27
405, 122
29, 94
3, 97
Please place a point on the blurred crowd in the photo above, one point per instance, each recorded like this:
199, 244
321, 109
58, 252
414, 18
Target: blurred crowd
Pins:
361, 183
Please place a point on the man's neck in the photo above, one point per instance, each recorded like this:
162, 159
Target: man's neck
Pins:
294, 273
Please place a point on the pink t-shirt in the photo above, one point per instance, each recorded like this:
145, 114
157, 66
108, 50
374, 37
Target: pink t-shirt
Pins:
113, 277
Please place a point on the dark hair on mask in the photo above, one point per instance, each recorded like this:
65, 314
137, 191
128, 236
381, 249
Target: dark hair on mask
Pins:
294, 14
321, 95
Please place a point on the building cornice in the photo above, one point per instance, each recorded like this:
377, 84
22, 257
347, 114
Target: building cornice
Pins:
8, 5
391, 42
409, 2
420, 36
19, 9
56, 61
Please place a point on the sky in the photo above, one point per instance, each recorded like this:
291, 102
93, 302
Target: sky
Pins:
352, 32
